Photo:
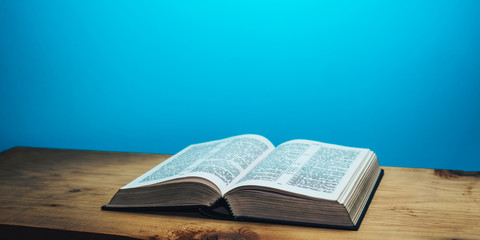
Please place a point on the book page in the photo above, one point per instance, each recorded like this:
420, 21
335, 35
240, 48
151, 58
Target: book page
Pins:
306, 167
219, 161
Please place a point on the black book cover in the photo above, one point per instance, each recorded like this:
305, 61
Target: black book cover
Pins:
220, 209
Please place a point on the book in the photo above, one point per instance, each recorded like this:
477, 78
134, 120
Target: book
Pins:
247, 178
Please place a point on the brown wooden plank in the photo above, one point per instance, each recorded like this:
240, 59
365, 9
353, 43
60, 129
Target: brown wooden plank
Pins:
64, 190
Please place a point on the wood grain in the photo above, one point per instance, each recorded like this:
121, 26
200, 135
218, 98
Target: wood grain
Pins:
58, 192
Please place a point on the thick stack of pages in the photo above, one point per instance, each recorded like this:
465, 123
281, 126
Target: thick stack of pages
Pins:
299, 182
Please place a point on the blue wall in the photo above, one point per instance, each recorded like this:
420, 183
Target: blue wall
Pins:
399, 77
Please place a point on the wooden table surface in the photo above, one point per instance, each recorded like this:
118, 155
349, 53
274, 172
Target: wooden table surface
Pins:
57, 194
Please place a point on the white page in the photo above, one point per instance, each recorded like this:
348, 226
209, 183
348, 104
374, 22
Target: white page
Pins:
219, 161
306, 167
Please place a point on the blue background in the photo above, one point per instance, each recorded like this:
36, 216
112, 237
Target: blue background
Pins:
399, 77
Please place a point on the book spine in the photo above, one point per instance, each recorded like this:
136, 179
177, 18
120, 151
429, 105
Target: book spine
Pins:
229, 207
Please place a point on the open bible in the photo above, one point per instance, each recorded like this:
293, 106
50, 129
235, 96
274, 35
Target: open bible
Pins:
299, 182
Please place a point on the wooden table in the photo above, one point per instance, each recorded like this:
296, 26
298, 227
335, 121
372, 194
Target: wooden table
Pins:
57, 194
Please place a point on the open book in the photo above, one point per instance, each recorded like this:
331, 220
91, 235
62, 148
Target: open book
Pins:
299, 182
